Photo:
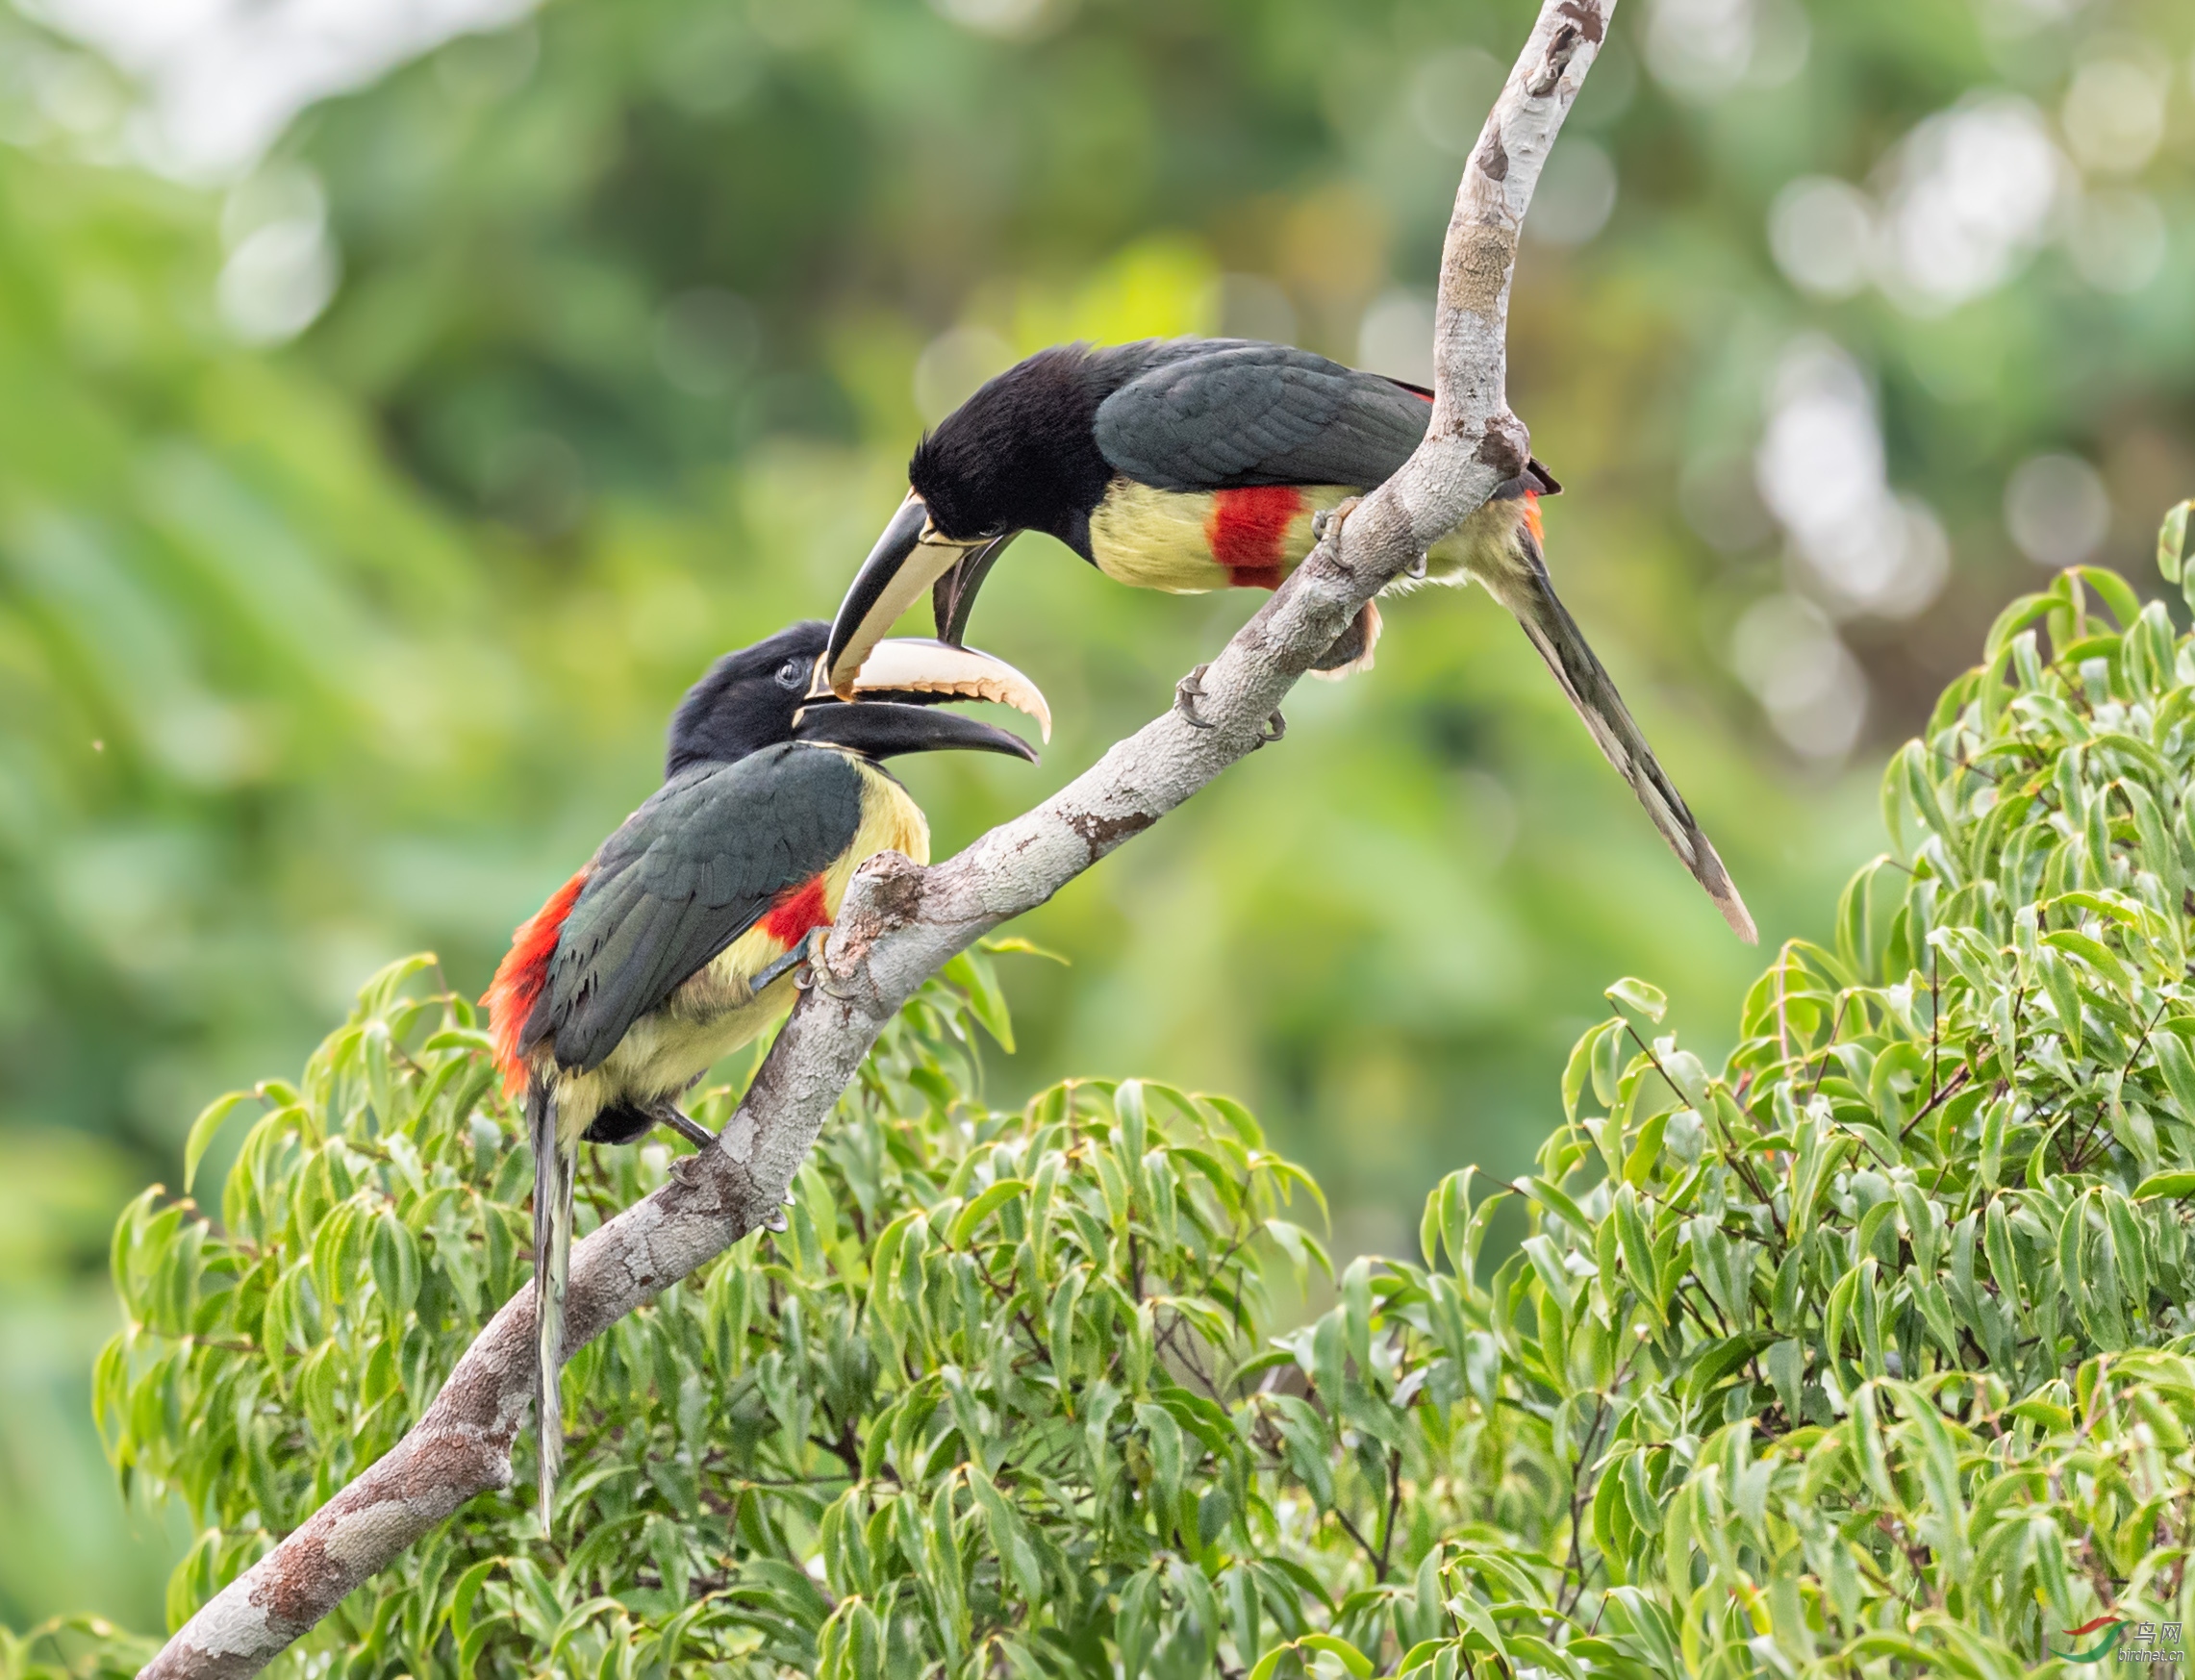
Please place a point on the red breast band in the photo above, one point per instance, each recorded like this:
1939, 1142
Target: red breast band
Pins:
1247, 528
797, 911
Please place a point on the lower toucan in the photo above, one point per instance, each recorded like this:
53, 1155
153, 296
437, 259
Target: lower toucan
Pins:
1189, 465
677, 942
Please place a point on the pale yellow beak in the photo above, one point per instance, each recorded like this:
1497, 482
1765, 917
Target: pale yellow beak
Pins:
938, 670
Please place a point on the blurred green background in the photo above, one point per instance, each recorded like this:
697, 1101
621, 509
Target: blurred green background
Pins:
400, 405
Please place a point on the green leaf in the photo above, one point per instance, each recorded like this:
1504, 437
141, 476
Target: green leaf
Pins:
203, 1130
2178, 1067
2173, 549
2126, 606
1301, 1248
989, 1202
2098, 956
1648, 999
1015, 944
465, 1594
395, 1262
1353, 1660
1008, 1538
2064, 996
1064, 1298
1555, 1202
985, 1001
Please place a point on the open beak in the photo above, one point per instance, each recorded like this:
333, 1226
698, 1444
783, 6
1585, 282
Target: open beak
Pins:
922, 673
906, 561
953, 596
888, 709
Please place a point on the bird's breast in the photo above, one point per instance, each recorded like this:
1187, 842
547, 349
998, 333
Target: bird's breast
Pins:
1188, 542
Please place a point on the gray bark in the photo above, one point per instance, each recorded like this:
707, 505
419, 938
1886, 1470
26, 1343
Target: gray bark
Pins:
901, 922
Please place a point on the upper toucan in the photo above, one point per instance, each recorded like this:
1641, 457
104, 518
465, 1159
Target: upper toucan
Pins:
675, 944
1189, 465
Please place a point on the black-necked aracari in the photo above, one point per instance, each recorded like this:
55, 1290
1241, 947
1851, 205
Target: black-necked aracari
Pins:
1189, 465
673, 945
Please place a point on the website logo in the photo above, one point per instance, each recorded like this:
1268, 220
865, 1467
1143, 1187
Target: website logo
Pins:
2102, 1648
2156, 1643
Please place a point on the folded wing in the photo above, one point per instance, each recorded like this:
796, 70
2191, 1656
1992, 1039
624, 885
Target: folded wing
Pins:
689, 873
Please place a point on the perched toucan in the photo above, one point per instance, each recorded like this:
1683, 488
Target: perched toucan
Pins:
1189, 465
675, 946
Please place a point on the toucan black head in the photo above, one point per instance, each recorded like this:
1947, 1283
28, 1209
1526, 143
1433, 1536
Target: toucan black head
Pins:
1021, 453
771, 693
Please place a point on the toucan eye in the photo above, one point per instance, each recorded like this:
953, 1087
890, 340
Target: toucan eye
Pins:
793, 673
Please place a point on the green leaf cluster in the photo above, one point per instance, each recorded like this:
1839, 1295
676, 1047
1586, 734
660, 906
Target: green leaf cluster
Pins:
972, 1405
1868, 1355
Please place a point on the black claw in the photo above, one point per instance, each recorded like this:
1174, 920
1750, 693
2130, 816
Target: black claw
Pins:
1187, 692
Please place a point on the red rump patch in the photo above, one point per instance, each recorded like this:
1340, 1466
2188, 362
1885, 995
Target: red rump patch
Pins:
1532, 517
520, 978
796, 911
1246, 529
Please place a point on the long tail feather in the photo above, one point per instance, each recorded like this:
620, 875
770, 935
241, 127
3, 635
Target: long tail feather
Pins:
554, 1164
1528, 592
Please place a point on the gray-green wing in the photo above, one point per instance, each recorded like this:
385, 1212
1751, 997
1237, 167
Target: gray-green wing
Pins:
1236, 413
688, 873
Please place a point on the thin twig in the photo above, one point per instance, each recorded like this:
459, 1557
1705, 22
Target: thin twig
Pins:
1958, 1083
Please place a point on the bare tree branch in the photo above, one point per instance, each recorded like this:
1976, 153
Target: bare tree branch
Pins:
900, 922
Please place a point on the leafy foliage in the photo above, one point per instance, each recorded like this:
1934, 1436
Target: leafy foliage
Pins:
1870, 1355
73, 1647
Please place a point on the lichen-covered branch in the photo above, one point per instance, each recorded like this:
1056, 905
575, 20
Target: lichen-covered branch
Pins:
900, 922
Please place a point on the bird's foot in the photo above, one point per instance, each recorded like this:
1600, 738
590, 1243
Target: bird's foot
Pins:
1327, 522
1191, 689
1187, 692
666, 1113
802, 951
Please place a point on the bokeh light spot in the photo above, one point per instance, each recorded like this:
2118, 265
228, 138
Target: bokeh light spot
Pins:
2057, 508
1576, 193
1788, 653
1822, 232
2113, 114
1975, 189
